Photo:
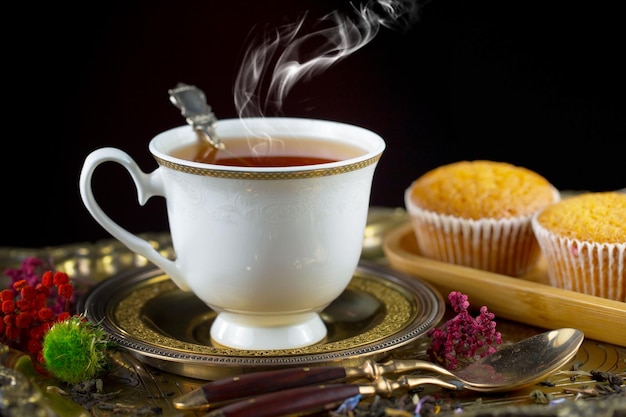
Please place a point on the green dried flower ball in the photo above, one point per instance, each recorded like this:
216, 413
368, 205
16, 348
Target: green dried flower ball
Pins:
75, 350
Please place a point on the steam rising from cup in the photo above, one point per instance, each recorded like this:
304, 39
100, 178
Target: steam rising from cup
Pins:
274, 62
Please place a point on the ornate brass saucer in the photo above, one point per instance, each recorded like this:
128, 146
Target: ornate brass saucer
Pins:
145, 313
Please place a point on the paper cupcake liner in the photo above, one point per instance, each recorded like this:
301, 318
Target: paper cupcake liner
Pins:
505, 246
597, 269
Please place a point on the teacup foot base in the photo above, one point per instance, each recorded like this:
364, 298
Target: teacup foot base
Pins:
241, 332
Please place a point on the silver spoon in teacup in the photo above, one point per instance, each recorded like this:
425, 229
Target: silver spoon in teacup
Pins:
193, 106
191, 101
295, 390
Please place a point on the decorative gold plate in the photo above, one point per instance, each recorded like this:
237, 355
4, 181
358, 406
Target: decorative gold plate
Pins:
145, 313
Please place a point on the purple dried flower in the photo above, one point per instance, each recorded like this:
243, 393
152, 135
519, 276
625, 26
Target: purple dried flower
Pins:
30, 270
463, 338
421, 402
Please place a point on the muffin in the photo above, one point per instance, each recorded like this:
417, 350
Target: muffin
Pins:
583, 239
478, 214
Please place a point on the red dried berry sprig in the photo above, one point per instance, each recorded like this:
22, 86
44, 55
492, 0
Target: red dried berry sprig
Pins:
29, 308
463, 339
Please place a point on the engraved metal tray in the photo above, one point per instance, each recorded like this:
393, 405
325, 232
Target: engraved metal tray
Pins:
145, 313
139, 386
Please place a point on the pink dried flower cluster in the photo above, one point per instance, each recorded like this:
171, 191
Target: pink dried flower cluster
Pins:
463, 339
31, 270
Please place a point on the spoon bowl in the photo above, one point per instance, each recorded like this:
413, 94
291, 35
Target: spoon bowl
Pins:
517, 365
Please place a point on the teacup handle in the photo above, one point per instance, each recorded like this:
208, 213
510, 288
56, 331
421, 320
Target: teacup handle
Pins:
148, 185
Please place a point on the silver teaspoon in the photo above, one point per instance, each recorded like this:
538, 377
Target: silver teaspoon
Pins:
193, 106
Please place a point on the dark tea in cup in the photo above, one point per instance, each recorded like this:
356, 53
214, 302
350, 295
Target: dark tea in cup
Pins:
268, 152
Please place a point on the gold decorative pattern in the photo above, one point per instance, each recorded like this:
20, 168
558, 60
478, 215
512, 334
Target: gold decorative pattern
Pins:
144, 312
128, 316
268, 175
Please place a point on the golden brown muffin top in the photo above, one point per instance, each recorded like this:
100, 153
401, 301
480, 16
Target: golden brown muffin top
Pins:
482, 189
591, 217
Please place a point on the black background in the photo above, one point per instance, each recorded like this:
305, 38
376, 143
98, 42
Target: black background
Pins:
538, 84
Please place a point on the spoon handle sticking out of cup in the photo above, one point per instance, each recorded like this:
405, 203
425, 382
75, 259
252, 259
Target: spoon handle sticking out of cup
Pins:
193, 106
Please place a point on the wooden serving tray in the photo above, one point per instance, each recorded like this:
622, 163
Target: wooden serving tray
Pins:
528, 299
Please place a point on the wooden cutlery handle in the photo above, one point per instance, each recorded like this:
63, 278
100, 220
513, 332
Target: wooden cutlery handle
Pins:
291, 401
255, 383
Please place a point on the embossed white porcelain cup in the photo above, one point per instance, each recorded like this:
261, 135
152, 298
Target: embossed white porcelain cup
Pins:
267, 248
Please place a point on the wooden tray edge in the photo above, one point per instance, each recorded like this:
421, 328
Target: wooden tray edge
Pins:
519, 299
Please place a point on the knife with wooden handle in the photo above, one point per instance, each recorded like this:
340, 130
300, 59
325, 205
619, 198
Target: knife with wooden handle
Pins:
255, 383
314, 398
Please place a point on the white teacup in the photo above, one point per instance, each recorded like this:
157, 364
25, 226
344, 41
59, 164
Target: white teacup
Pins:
267, 248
